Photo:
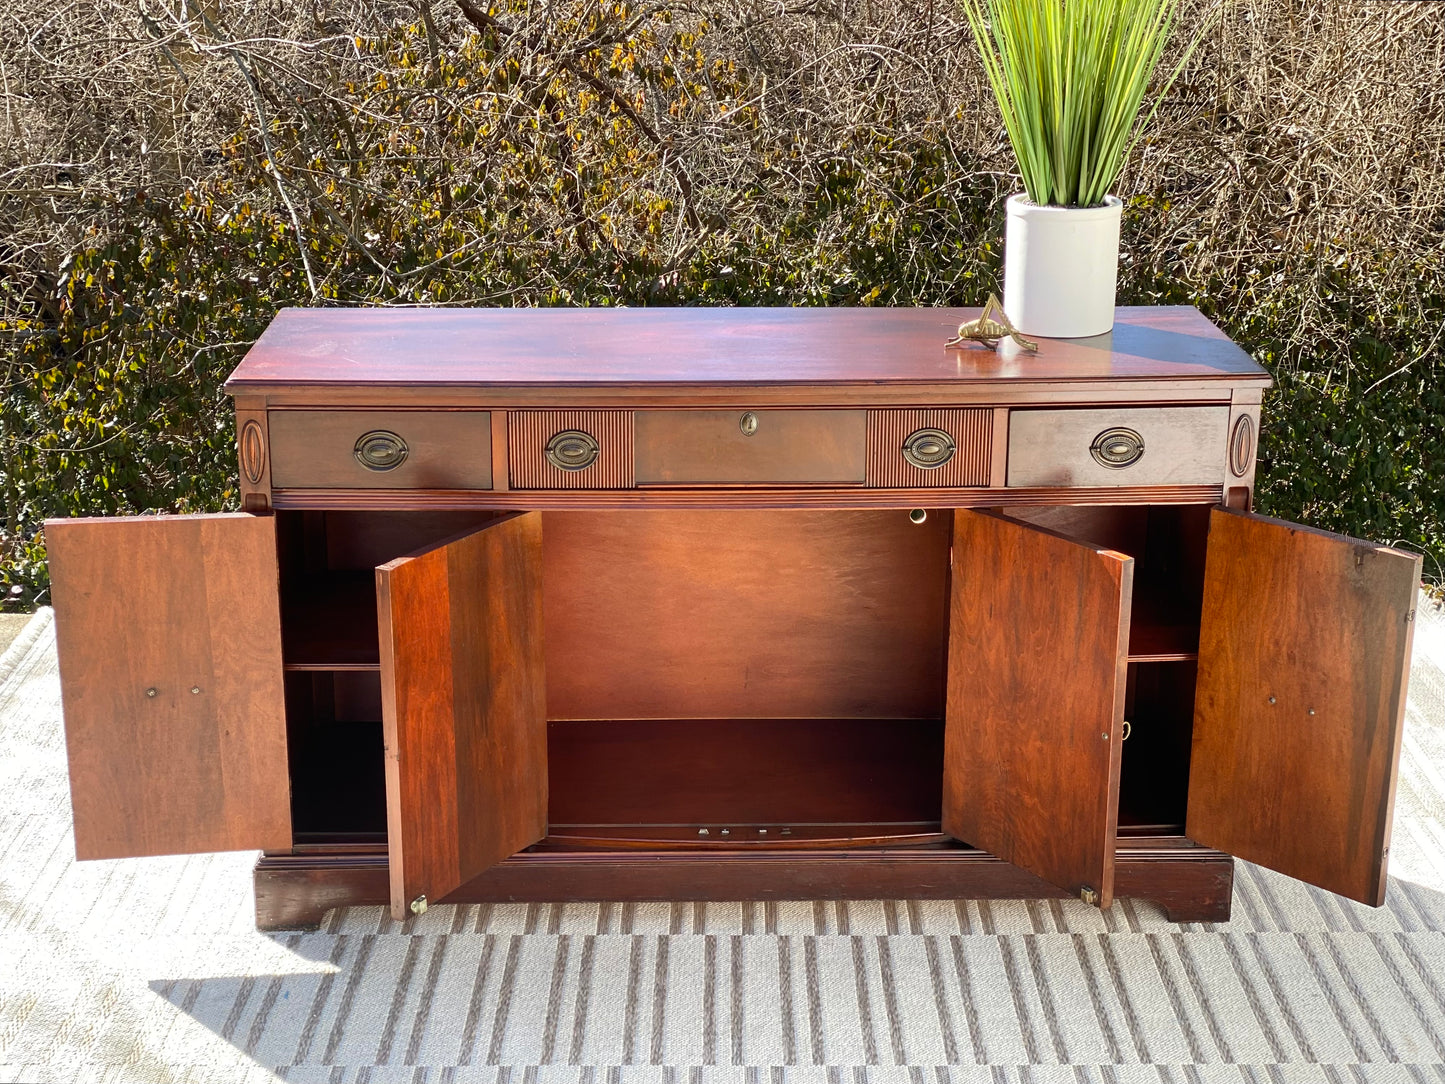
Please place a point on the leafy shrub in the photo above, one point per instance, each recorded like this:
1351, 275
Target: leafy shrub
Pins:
606, 155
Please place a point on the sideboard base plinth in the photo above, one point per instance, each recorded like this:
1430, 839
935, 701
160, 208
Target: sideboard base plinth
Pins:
296, 890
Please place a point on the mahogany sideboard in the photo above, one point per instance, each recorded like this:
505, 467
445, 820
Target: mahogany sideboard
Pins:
687, 604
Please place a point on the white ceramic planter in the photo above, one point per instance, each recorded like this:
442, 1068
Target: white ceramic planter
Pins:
1060, 265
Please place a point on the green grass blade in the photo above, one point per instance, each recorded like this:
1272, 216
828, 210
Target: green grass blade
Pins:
1070, 77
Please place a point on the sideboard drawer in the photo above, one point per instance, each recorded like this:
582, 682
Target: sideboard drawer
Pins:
741, 447
569, 449
381, 449
929, 448
1117, 446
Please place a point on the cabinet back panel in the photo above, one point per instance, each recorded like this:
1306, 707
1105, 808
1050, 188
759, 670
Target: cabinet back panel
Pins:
745, 773
745, 614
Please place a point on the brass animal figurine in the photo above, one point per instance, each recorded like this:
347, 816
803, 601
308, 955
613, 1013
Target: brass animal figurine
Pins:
990, 327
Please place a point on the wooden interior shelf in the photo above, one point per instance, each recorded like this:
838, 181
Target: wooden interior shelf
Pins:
1162, 628
328, 622
729, 784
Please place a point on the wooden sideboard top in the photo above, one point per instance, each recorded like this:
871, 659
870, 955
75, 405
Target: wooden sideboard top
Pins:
715, 347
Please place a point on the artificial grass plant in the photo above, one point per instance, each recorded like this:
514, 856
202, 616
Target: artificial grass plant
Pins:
1070, 77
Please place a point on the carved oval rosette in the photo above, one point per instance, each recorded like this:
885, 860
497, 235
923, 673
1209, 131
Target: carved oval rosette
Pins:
253, 452
1241, 446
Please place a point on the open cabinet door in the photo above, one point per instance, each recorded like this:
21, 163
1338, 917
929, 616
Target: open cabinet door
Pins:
1037, 663
1304, 651
168, 630
463, 707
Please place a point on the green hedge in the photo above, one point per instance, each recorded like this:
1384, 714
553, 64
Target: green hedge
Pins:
112, 401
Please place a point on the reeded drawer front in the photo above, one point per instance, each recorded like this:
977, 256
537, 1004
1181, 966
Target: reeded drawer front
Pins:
910, 449
1141, 446
759, 447
381, 449
569, 449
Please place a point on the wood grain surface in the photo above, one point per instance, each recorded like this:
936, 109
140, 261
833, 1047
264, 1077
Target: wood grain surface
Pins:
746, 774
1183, 446
1304, 652
530, 431
973, 437
789, 447
1191, 883
712, 346
316, 449
1039, 632
988, 383
740, 498
463, 708
168, 630
730, 615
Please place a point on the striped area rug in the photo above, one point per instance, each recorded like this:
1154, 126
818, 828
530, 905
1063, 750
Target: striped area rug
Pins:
149, 970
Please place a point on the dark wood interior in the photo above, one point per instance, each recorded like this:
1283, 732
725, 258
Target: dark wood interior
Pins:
1304, 662
648, 611
1168, 544
338, 779
1036, 672
759, 780
1154, 775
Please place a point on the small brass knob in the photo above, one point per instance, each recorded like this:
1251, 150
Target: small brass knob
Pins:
571, 449
380, 450
928, 449
748, 423
1117, 448
918, 515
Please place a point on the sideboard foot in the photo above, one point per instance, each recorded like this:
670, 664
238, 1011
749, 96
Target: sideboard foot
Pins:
1215, 909
1200, 890
295, 892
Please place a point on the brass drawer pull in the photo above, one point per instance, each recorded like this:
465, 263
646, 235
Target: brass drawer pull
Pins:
571, 449
1117, 448
380, 450
928, 448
